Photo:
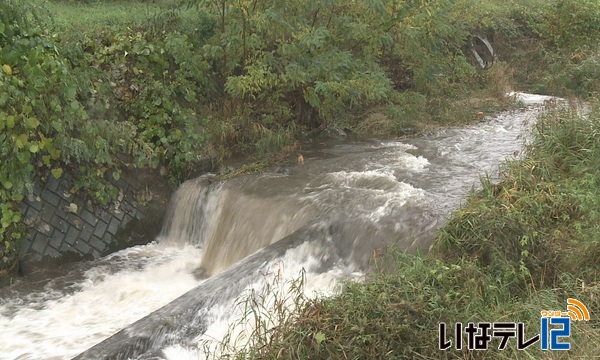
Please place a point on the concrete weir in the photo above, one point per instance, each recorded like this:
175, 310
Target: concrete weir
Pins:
183, 318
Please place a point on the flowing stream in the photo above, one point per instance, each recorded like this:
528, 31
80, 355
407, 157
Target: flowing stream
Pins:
344, 204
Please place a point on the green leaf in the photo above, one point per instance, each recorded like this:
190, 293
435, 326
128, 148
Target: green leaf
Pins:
7, 184
55, 154
319, 337
57, 173
71, 92
32, 122
21, 140
57, 125
10, 121
43, 141
116, 175
24, 157
7, 69
34, 148
16, 217
27, 109
176, 134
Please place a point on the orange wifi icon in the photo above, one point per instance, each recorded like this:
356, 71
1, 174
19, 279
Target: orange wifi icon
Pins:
577, 310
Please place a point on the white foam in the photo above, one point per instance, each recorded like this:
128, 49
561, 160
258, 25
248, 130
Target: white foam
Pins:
379, 179
399, 145
414, 163
275, 286
63, 327
531, 99
380, 191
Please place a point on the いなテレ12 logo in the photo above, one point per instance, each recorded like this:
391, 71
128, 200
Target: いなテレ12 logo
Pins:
549, 337
555, 328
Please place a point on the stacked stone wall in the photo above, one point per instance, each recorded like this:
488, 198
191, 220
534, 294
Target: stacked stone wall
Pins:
65, 224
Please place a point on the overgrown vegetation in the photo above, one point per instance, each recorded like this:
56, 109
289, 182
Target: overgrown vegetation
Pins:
38, 107
517, 247
554, 47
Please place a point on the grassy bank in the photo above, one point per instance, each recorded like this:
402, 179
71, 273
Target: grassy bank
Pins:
515, 248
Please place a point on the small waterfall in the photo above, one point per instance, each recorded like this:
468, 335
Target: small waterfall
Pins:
229, 223
191, 207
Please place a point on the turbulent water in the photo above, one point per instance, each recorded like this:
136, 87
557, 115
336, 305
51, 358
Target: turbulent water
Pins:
356, 197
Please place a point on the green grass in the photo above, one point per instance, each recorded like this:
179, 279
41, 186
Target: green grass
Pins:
81, 16
543, 215
515, 248
72, 18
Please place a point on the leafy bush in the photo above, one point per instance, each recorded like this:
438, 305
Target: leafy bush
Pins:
58, 102
573, 25
157, 82
321, 59
38, 108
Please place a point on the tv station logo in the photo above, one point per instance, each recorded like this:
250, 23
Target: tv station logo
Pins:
555, 329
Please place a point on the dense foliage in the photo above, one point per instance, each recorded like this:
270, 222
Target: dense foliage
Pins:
38, 104
309, 64
93, 107
250, 74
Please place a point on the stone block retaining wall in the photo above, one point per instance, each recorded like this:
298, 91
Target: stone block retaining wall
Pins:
66, 224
